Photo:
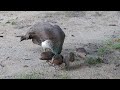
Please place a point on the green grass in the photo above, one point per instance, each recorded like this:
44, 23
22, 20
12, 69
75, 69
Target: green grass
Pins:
93, 60
108, 46
64, 76
116, 46
32, 75
101, 51
113, 44
40, 75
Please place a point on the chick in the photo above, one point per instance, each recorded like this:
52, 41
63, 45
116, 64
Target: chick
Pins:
46, 55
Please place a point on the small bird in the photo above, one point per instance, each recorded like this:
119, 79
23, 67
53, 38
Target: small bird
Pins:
46, 35
46, 55
71, 57
81, 52
57, 60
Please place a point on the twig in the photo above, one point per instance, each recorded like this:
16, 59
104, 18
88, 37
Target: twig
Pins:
1, 36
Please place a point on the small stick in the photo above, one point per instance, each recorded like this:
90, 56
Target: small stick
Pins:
1, 36
17, 36
27, 59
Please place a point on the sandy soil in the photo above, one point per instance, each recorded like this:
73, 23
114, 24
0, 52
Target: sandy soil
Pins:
21, 59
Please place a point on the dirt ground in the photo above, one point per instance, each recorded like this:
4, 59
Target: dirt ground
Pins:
86, 29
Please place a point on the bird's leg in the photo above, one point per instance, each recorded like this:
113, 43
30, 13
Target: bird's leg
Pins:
44, 49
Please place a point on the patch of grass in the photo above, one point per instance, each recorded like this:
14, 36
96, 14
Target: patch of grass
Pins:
39, 75
65, 76
106, 48
61, 76
103, 50
32, 75
116, 46
117, 40
93, 60
108, 43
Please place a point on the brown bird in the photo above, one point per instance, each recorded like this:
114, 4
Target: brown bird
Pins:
46, 55
57, 60
71, 57
81, 52
47, 36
